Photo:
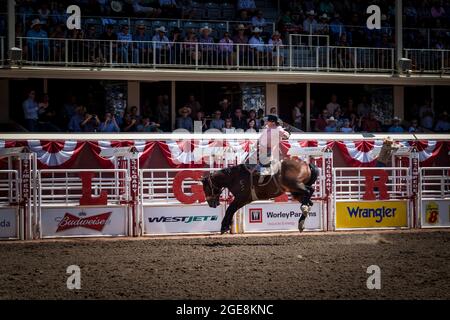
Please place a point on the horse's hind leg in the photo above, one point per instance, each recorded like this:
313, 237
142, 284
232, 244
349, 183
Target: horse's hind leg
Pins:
227, 220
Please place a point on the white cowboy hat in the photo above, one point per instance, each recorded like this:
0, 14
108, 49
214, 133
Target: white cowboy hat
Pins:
331, 119
116, 6
257, 30
396, 118
240, 27
324, 16
205, 28
161, 29
35, 22
311, 13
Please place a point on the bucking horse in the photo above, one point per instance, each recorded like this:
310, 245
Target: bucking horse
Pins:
291, 175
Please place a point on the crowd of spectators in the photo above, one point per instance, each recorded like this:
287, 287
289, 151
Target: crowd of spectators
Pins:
350, 117
344, 21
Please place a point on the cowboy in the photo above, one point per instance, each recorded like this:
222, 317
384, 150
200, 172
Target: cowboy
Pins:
37, 41
386, 152
207, 45
161, 43
256, 43
269, 150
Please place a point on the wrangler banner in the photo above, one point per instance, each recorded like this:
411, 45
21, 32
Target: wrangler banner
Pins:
371, 214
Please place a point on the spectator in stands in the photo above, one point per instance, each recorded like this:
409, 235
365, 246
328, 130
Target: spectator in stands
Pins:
161, 45
339, 119
252, 117
259, 21
176, 45
141, 48
226, 49
141, 9
200, 121
243, 16
257, 48
321, 121
247, 5
396, 127
30, 110
363, 108
90, 123
124, 39
76, 120
225, 108
332, 106
437, 11
37, 42
110, 39
371, 124
327, 7
275, 47
426, 114
47, 116
337, 28
331, 125
207, 47
349, 109
228, 128
241, 38
44, 13
109, 124
323, 27
129, 123
415, 126
162, 110
443, 124
260, 117
297, 115
217, 122
185, 121
191, 54
193, 104
59, 14
344, 56
69, 108
346, 128
410, 13
239, 121
310, 23
252, 126
148, 126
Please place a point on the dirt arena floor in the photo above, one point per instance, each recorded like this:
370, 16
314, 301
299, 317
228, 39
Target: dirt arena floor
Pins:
414, 264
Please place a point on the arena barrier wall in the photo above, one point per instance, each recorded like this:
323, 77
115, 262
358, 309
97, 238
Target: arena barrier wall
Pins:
129, 201
434, 205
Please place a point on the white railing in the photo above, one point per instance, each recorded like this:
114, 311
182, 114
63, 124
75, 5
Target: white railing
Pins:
429, 60
157, 184
196, 55
435, 183
64, 186
9, 187
349, 183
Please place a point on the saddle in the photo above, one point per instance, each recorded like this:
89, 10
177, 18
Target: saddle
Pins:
265, 175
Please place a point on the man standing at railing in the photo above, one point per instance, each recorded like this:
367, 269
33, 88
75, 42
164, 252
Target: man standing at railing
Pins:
37, 42
161, 45
141, 45
124, 38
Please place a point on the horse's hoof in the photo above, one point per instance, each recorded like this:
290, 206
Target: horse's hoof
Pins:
224, 230
301, 223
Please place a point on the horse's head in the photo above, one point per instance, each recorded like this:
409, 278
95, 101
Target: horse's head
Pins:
212, 192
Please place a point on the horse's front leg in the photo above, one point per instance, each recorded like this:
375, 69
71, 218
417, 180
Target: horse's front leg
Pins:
234, 206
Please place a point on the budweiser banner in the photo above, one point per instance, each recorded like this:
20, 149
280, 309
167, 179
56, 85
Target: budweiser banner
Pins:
79, 221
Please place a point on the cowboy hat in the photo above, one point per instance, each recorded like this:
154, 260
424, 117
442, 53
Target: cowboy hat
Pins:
205, 28
116, 6
161, 29
184, 109
240, 27
389, 139
257, 30
324, 16
276, 33
35, 22
331, 119
311, 13
396, 118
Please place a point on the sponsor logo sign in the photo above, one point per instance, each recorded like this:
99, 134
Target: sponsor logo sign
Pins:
83, 221
279, 217
8, 223
435, 213
179, 219
371, 214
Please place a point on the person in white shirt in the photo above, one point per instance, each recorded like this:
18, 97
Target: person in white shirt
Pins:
333, 105
275, 48
259, 21
161, 45
310, 23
